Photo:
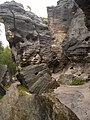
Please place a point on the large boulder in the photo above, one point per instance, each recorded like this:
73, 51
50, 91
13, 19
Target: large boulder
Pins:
20, 105
76, 98
37, 78
41, 108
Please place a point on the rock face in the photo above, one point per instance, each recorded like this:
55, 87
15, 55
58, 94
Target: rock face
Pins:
4, 79
71, 17
2, 91
85, 6
30, 42
59, 18
68, 18
29, 38
4, 75
76, 46
20, 105
37, 78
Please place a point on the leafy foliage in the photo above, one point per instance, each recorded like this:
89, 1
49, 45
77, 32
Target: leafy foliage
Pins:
77, 82
45, 21
1, 20
6, 59
22, 88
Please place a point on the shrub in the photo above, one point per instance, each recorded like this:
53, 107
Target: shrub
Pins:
6, 59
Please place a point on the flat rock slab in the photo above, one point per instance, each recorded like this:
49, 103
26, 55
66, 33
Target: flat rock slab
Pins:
77, 98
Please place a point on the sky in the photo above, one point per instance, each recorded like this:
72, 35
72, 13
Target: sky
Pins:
2, 35
39, 7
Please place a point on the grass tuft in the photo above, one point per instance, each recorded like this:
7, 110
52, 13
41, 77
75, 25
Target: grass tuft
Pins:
77, 82
21, 88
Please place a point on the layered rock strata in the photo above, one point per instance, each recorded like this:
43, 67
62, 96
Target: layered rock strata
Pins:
29, 39
71, 17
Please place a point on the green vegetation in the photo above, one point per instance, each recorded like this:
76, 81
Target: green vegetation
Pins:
1, 19
1, 97
21, 88
77, 82
45, 21
23, 91
6, 59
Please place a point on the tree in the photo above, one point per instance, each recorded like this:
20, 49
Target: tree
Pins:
6, 59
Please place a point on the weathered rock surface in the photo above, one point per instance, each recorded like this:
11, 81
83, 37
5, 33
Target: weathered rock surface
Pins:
2, 91
76, 46
37, 78
4, 79
4, 75
59, 19
72, 72
73, 52
77, 98
31, 44
20, 105
85, 6
29, 39
71, 17
68, 18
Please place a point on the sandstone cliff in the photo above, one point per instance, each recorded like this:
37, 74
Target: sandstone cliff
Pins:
29, 39
69, 24
30, 42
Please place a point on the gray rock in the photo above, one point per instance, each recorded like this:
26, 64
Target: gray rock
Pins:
59, 20
40, 108
76, 98
76, 46
4, 79
2, 91
20, 105
37, 78
4, 75
26, 33
69, 24
85, 6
